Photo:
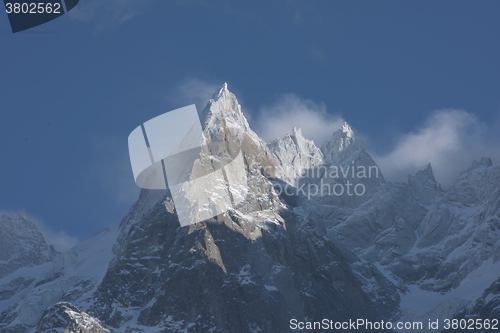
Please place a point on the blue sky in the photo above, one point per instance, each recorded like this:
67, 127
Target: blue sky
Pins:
420, 81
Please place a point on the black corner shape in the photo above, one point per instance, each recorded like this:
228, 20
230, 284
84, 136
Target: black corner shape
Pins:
70, 4
26, 14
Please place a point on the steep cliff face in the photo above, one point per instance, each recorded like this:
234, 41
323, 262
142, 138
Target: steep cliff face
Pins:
212, 276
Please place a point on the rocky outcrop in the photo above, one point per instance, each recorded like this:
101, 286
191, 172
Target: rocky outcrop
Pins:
65, 317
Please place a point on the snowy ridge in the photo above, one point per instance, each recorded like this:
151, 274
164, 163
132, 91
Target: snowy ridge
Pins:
343, 145
293, 155
21, 244
72, 276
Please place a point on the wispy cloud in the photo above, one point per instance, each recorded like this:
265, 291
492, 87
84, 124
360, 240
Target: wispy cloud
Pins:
449, 139
61, 240
193, 91
278, 119
317, 55
111, 167
106, 13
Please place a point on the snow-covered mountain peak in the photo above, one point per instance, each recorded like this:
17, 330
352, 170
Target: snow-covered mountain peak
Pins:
345, 147
223, 109
476, 184
227, 143
484, 162
299, 139
226, 128
343, 141
424, 175
226, 133
347, 130
21, 244
293, 154
297, 132
222, 90
476, 168
424, 184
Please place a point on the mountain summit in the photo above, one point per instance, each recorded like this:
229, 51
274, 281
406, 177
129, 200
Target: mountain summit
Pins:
21, 244
344, 146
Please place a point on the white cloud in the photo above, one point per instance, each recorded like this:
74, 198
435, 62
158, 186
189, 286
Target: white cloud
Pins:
60, 239
290, 111
193, 91
450, 140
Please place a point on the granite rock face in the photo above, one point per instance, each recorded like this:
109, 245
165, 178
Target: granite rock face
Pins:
221, 277
65, 317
